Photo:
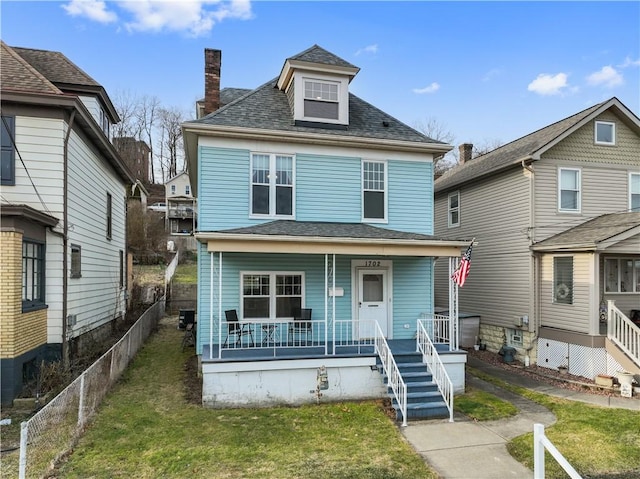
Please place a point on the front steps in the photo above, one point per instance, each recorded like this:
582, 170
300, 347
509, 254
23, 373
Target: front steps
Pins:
424, 400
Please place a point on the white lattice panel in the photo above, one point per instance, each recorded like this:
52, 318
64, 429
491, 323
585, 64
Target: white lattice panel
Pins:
551, 353
613, 366
582, 360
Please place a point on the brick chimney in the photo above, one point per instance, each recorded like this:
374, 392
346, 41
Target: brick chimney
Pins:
212, 61
465, 152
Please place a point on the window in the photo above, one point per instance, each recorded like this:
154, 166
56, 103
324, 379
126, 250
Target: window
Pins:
569, 190
374, 185
634, 191
454, 209
76, 257
563, 279
321, 99
109, 212
32, 275
121, 254
187, 190
173, 189
272, 185
8, 151
622, 275
269, 295
605, 133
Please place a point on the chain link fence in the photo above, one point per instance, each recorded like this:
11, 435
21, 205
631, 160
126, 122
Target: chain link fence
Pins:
54, 430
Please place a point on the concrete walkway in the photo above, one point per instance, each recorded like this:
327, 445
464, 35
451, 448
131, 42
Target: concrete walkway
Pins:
466, 449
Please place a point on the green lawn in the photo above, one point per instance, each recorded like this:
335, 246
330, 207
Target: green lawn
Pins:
186, 274
146, 429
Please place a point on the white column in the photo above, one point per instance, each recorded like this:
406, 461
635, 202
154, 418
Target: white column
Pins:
453, 305
220, 305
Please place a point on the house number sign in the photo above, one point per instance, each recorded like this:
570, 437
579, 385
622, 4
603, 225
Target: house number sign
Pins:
372, 264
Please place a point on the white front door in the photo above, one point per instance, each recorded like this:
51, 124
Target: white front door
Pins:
373, 301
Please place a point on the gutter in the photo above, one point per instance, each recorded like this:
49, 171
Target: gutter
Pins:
65, 239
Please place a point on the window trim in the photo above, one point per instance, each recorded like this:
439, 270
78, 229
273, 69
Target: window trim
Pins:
11, 123
450, 210
173, 189
121, 268
385, 219
555, 290
635, 274
579, 181
273, 186
299, 97
109, 216
187, 190
631, 193
34, 305
272, 293
613, 133
77, 272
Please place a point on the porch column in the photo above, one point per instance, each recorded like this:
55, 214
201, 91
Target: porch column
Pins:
211, 305
220, 305
326, 299
453, 305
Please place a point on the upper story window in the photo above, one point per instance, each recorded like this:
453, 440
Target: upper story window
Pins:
272, 185
76, 261
8, 151
454, 209
563, 279
605, 133
374, 188
109, 215
173, 189
321, 99
569, 190
33, 280
187, 190
634, 191
105, 124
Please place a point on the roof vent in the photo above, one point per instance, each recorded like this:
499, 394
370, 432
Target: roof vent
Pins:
385, 123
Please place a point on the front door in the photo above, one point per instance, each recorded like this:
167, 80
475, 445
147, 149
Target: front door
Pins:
372, 301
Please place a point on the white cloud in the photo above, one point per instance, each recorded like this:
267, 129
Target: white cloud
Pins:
546, 84
196, 17
92, 9
368, 49
491, 74
628, 62
607, 76
434, 87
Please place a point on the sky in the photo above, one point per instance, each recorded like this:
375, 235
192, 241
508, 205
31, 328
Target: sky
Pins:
486, 72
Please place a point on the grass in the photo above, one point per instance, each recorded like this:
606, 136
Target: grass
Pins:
597, 441
186, 274
146, 429
483, 406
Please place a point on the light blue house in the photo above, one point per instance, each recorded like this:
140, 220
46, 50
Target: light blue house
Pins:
311, 199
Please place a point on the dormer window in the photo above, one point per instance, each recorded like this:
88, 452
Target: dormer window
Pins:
321, 99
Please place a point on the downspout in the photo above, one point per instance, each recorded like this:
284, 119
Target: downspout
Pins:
533, 276
65, 239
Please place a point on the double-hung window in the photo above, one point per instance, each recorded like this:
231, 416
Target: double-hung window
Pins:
187, 190
76, 261
622, 275
569, 190
605, 133
374, 188
321, 99
173, 189
7, 173
271, 295
272, 185
33, 279
563, 279
634, 191
454, 209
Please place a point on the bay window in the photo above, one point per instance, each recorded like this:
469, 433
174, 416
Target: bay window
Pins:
32, 275
271, 295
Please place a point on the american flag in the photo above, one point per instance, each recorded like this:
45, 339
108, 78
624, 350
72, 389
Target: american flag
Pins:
459, 276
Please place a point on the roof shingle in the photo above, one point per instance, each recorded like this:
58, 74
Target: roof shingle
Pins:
17, 75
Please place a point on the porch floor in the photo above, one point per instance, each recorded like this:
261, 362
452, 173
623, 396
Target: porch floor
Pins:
397, 346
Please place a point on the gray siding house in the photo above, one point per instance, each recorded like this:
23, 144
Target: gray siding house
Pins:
556, 215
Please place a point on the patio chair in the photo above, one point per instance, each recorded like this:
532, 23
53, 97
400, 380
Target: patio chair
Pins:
188, 319
301, 326
235, 328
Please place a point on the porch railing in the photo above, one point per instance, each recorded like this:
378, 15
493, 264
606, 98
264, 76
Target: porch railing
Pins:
622, 332
355, 335
431, 357
439, 329
392, 372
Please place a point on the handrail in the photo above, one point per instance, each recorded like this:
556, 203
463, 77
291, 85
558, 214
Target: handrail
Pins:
431, 357
542, 442
392, 371
623, 333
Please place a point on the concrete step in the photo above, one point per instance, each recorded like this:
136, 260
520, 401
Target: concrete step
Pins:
425, 410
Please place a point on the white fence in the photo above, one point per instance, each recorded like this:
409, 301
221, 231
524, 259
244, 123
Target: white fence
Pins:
624, 333
540, 443
53, 430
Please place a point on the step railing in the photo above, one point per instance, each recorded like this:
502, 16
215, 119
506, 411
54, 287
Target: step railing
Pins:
430, 356
542, 442
623, 333
392, 372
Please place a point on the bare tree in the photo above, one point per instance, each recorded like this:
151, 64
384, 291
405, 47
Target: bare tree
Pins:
436, 130
485, 146
147, 116
171, 141
126, 104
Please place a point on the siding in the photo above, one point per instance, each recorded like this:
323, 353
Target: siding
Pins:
572, 317
411, 294
93, 105
410, 196
496, 213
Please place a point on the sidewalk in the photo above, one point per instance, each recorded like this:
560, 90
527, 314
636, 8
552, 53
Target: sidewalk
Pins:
466, 449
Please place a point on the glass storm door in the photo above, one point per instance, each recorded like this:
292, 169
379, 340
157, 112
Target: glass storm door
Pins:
372, 301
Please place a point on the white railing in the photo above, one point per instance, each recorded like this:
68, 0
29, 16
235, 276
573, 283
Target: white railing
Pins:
353, 334
624, 333
542, 442
392, 372
430, 356
439, 328
272, 335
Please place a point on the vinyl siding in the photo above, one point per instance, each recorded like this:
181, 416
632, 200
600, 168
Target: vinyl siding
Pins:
496, 213
411, 293
572, 317
410, 188
93, 105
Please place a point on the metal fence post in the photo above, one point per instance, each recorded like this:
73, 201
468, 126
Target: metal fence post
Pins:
24, 433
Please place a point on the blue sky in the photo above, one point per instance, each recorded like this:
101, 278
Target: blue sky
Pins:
486, 71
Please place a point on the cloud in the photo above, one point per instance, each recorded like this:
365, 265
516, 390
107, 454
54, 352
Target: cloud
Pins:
95, 10
546, 84
491, 74
628, 62
607, 76
368, 49
195, 17
434, 87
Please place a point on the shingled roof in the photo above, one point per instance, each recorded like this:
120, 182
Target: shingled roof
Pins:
56, 67
317, 54
590, 235
530, 146
17, 74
